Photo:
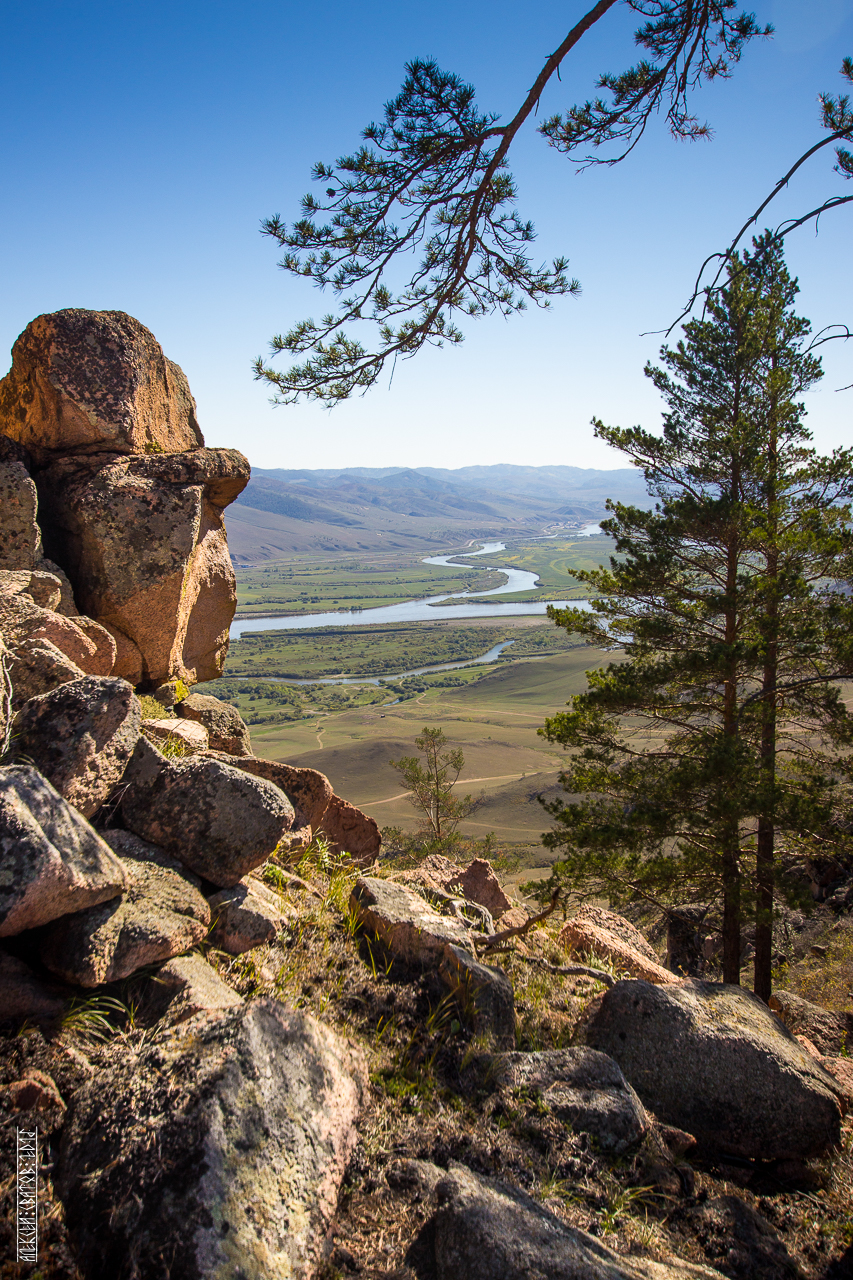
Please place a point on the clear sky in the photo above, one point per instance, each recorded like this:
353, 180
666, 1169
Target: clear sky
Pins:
142, 144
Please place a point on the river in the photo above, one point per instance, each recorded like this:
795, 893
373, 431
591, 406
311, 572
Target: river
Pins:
421, 610
492, 656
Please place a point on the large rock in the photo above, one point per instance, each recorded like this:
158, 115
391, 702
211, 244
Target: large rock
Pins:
128, 845
351, 831
594, 931
308, 791
742, 1241
51, 860
95, 382
683, 1047
583, 1088
81, 736
485, 1230
20, 536
226, 728
218, 821
830, 1033
216, 1154
484, 994
159, 915
244, 917
476, 883
143, 542
404, 923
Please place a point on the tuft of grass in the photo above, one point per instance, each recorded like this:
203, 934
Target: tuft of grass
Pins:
620, 1203
94, 1019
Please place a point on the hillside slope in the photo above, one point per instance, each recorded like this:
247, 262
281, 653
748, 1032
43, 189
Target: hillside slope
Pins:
362, 509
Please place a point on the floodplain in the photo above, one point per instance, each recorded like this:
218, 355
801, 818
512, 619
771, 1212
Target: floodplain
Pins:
378, 695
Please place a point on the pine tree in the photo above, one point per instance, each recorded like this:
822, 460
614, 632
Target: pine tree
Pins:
431, 780
417, 230
706, 759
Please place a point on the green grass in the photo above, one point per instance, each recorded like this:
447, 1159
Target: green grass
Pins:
494, 718
552, 562
381, 651
296, 587
301, 585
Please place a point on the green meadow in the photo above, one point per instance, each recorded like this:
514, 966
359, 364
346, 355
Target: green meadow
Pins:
304, 585
387, 650
315, 586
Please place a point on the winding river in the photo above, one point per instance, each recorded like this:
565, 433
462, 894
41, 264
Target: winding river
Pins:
421, 610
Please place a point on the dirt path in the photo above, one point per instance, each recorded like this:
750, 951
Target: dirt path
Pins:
461, 782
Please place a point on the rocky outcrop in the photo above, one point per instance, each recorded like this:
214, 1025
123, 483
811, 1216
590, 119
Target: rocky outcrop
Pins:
81, 736
143, 541
597, 932
51, 860
583, 1088
479, 883
226, 729
255, 1120
218, 821
184, 987
475, 883
116, 482
36, 668
23, 995
20, 535
485, 1230
400, 919
158, 916
95, 382
681, 1048
43, 643
741, 1240
309, 791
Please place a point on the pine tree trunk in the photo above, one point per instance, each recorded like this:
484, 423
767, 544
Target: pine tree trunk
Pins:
764, 910
731, 848
766, 852
731, 917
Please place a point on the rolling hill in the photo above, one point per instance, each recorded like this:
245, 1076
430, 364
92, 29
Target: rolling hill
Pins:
325, 512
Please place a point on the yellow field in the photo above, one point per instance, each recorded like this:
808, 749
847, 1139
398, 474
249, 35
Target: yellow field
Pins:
494, 722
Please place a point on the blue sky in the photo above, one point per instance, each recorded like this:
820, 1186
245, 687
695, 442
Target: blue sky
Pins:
142, 144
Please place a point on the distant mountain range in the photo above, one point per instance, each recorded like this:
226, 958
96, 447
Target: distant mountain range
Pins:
282, 512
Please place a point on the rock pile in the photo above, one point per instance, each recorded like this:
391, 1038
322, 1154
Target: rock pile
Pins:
105, 466
117, 860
